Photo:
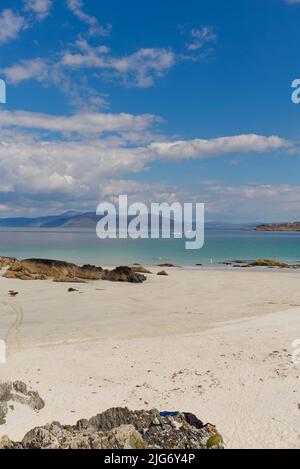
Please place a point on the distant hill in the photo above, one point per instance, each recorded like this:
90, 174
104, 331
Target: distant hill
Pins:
69, 219
88, 220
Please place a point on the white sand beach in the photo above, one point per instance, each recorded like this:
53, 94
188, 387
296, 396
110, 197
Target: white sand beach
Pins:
217, 343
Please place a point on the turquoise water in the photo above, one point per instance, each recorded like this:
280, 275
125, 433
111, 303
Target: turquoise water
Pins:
84, 247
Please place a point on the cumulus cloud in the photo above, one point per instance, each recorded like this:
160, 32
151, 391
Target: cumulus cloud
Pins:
40, 8
75, 168
95, 28
11, 24
63, 158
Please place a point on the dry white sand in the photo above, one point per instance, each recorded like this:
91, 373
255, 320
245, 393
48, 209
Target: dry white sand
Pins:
215, 343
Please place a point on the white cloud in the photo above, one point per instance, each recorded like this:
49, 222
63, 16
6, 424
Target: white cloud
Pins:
76, 6
40, 8
110, 189
95, 124
11, 24
97, 150
36, 69
80, 94
201, 37
86, 124
138, 69
219, 146
74, 168
265, 202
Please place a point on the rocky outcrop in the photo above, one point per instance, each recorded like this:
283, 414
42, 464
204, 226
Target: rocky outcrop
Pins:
293, 226
267, 263
120, 428
17, 392
6, 261
60, 271
140, 269
123, 274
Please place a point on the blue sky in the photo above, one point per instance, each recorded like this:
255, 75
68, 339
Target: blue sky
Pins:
163, 101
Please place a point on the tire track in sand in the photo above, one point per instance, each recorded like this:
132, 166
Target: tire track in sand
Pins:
12, 337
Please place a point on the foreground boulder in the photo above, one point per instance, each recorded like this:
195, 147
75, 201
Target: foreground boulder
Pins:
17, 392
60, 271
120, 428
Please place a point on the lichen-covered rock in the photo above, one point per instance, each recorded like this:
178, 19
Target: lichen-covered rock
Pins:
17, 392
120, 428
6, 261
140, 269
60, 271
267, 263
123, 274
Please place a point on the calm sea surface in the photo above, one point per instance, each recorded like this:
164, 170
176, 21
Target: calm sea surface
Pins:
83, 246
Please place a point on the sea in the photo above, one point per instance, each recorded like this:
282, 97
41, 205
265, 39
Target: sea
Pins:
83, 247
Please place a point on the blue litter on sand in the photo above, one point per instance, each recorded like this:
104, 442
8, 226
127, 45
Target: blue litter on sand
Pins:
169, 414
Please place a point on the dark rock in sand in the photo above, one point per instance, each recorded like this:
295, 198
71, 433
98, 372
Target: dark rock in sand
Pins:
268, 263
163, 272
120, 428
13, 293
17, 392
140, 269
123, 274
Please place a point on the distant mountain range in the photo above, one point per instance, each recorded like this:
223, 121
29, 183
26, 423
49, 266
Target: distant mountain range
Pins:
88, 220
69, 219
